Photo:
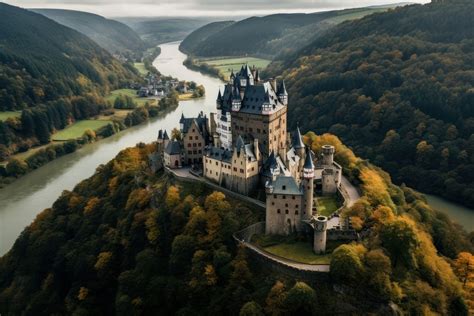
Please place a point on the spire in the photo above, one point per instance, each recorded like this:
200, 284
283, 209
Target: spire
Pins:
308, 162
219, 96
298, 139
282, 89
165, 135
160, 134
182, 118
239, 144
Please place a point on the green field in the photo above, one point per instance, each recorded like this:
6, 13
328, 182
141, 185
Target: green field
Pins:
77, 129
299, 251
327, 205
141, 68
226, 64
131, 93
5, 115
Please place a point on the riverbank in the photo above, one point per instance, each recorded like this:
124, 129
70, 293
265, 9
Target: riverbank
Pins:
38, 189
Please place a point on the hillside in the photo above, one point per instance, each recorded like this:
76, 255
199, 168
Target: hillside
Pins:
115, 37
127, 240
163, 30
398, 88
41, 60
267, 36
193, 40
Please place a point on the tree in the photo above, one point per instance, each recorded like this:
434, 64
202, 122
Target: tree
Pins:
176, 134
16, 167
400, 239
346, 264
464, 267
300, 300
251, 309
275, 300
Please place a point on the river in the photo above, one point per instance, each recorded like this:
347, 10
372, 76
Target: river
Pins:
23, 200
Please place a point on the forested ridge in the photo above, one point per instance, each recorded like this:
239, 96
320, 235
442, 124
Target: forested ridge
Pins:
112, 35
271, 36
398, 88
54, 74
127, 241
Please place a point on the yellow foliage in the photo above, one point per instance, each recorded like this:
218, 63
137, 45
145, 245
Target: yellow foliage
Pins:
83, 81
138, 198
83, 292
210, 275
172, 196
74, 200
343, 155
113, 184
357, 222
153, 231
375, 188
383, 214
91, 205
103, 260
216, 202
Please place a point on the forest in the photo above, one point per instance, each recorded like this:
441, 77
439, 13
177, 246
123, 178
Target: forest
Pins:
115, 37
272, 36
397, 87
53, 75
127, 241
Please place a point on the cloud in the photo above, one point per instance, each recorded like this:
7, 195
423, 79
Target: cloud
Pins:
197, 7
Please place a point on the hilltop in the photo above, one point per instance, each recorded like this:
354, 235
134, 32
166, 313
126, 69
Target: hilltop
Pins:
162, 30
268, 36
397, 88
115, 37
127, 239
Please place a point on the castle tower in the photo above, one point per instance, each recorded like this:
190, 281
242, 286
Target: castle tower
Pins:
328, 155
219, 100
319, 224
166, 139
282, 93
159, 143
308, 185
299, 147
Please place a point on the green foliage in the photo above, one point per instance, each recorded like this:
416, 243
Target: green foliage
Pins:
277, 34
16, 168
115, 37
251, 309
123, 101
396, 87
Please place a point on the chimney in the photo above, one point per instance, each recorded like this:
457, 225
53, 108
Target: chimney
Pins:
256, 149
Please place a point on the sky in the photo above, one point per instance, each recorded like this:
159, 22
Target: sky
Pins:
122, 8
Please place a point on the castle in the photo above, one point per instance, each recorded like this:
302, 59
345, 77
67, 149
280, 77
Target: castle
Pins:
245, 147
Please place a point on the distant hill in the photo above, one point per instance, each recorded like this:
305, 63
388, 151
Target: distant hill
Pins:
112, 35
193, 40
398, 88
163, 30
41, 60
268, 36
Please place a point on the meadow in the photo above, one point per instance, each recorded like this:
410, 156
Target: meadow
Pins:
5, 115
131, 93
77, 129
226, 64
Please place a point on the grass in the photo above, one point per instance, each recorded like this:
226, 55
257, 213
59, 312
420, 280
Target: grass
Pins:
131, 93
141, 68
326, 205
226, 64
77, 129
5, 115
299, 251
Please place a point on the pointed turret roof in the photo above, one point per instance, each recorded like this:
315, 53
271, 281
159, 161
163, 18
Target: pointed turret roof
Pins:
298, 139
308, 162
182, 118
165, 135
160, 134
219, 96
239, 144
282, 88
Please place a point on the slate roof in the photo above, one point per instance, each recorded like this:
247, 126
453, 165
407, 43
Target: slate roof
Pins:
286, 185
220, 154
247, 149
173, 148
308, 162
298, 140
201, 123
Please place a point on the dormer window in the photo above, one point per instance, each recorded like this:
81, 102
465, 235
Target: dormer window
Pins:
284, 187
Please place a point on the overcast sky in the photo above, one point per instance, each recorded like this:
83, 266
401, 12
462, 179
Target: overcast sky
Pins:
114, 8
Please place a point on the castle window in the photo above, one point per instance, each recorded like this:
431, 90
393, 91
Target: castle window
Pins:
274, 196
194, 144
293, 197
189, 152
284, 197
194, 130
189, 144
284, 187
199, 144
190, 138
296, 213
273, 203
278, 211
296, 206
253, 168
200, 151
286, 205
217, 163
241, 170
235, 169
286, 212
258, 130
